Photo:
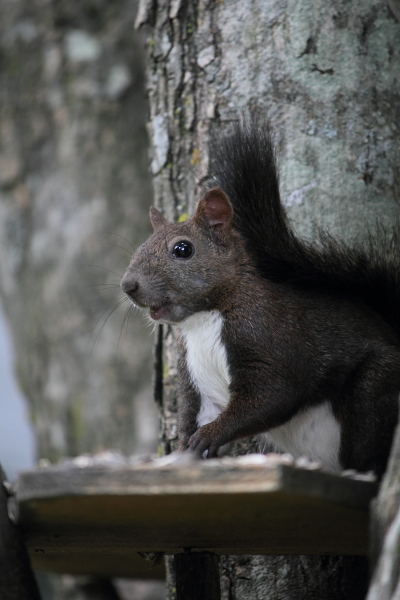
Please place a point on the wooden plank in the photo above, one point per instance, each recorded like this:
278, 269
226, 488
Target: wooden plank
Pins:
226, 506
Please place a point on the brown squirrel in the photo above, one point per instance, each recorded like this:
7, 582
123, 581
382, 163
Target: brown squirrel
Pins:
276, 335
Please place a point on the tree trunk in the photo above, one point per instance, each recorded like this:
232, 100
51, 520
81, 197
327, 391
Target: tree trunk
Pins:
327, 77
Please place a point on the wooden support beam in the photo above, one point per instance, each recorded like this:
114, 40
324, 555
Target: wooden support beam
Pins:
197, 576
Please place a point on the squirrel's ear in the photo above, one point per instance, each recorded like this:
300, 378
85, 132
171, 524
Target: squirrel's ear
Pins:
157, 219
216, 210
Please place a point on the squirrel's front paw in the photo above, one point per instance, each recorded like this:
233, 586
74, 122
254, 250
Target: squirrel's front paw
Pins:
204, 440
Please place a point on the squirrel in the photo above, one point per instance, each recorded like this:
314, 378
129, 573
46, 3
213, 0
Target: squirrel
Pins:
279, 336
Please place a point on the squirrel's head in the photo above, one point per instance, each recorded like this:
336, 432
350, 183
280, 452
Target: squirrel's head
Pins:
185, 267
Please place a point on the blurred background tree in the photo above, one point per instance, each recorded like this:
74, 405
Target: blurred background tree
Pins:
75, 191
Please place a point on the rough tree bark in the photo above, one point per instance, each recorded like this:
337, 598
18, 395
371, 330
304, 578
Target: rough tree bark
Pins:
327, 77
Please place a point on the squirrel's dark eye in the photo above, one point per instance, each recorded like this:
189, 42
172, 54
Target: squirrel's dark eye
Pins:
182, 249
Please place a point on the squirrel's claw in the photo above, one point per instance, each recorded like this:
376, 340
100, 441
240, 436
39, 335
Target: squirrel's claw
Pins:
203, 440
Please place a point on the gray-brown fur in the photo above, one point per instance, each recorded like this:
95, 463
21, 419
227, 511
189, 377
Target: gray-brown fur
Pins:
296, 327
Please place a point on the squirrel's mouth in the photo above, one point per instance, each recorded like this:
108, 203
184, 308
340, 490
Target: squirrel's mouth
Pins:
159, 311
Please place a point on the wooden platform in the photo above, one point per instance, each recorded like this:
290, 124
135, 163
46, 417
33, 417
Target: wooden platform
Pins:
95, 519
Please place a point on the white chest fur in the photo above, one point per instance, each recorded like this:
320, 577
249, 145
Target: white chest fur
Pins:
207, 362
314, 433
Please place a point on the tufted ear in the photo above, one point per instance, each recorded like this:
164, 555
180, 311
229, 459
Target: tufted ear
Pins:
216, 211
157, 219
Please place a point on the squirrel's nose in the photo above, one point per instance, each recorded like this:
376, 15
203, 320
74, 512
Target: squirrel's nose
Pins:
129, 286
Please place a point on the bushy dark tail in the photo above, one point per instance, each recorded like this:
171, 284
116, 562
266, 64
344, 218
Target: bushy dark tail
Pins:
242, 163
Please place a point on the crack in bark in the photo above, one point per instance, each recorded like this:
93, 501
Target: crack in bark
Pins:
314, 67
